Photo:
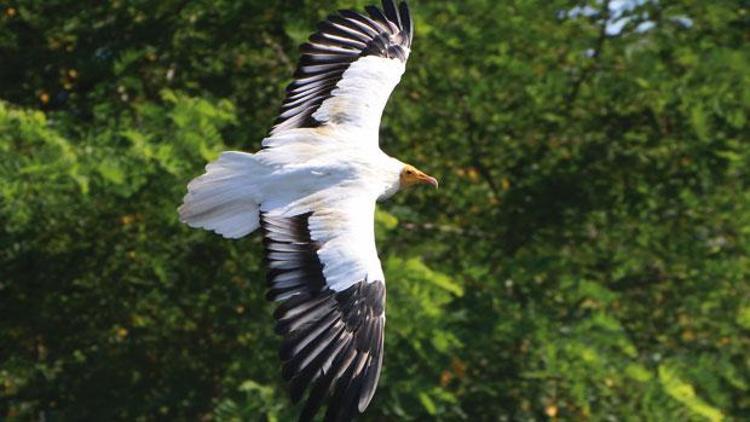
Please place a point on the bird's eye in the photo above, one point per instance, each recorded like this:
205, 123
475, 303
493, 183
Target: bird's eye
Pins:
409, 172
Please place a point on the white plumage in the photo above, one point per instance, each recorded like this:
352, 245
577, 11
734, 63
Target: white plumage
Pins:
313, 189
220, 199
360, 97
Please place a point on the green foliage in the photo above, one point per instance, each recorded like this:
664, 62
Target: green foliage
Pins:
586, 257
685, 393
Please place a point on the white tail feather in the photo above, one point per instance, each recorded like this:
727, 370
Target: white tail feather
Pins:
225, 198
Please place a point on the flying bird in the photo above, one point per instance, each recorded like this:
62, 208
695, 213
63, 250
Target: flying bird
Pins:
312, 191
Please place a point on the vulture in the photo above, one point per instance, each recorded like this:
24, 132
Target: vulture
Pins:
312, 190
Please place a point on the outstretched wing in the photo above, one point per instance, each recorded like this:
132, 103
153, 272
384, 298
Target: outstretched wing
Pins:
348, 69
324, 269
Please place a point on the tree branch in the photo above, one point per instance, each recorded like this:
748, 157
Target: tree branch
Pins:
476, 156
597, 52
447, 229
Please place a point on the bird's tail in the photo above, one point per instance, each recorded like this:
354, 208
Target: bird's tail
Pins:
225, 199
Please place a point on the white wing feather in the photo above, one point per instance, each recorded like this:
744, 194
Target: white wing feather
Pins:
360, 96
342, 224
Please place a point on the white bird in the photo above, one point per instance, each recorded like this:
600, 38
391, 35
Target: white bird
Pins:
312, 190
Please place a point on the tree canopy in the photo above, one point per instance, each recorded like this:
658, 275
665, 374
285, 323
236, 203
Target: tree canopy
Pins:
587, 256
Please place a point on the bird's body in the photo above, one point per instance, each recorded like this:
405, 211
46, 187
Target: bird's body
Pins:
312, 190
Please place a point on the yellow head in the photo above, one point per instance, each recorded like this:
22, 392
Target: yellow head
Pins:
410, 175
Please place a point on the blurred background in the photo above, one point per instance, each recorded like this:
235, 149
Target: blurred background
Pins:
586, 257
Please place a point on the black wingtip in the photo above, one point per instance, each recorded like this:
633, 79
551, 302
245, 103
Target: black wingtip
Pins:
407, 23
389, 7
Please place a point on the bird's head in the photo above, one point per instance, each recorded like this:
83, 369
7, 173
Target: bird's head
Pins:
410, 176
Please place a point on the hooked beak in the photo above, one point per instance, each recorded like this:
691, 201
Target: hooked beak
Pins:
410, 176
427, 179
